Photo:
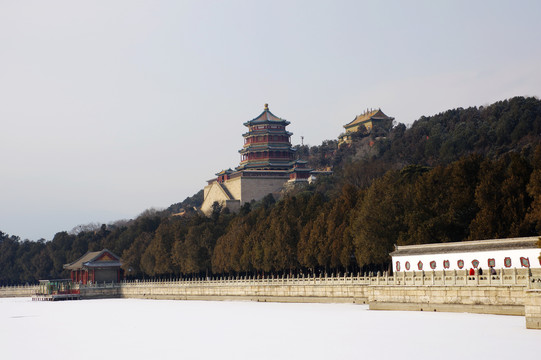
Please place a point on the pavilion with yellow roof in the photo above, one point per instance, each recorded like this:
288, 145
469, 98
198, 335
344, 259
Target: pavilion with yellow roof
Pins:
369, 119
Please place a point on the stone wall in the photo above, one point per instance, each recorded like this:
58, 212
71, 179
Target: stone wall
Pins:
242, 189
532, 308
256, 188
501, 300
234, 186
18, 291
212, 193
381, 292
277, 291
103, 291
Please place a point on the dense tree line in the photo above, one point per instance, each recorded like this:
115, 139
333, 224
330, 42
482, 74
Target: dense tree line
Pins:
473, 198
480, 180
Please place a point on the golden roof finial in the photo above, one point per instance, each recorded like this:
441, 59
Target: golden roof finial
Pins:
266, 106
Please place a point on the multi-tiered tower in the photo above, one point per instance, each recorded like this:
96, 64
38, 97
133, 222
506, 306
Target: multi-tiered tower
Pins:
267, 163
267, 144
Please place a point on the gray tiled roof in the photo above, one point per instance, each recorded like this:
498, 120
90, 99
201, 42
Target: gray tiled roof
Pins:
87, 261
467, 246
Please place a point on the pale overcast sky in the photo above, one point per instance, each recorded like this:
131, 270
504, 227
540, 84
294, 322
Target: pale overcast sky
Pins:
112, 107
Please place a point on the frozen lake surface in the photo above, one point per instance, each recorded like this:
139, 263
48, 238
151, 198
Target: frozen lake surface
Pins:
164, 329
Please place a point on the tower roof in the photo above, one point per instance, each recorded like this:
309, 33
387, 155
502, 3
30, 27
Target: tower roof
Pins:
267, 147
367, 116
265, 117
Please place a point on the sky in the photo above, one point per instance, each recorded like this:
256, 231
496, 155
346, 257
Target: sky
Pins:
173, 329
109, 108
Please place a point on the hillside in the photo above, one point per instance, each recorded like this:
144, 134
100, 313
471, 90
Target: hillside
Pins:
512, 125
459, 175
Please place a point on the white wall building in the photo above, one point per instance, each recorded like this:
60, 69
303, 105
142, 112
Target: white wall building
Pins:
498, 253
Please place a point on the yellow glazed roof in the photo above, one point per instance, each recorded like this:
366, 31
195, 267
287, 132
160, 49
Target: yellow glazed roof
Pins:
367, 116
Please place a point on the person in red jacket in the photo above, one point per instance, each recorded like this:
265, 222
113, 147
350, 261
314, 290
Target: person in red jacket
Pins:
472, 272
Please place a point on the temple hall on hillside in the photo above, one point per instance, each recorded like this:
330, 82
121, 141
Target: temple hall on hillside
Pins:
367, 121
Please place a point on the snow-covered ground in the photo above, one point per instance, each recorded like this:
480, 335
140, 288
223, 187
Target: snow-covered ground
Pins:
163, 329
